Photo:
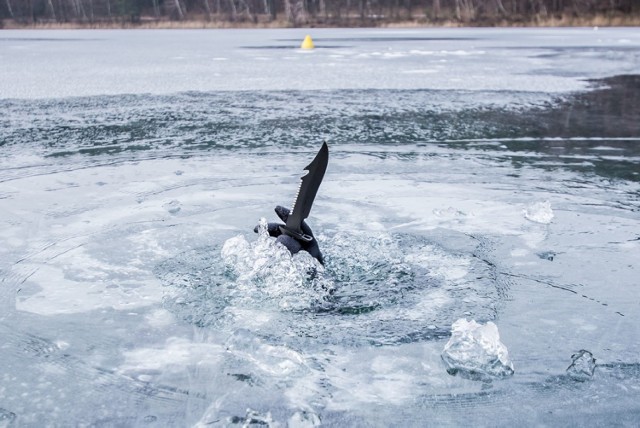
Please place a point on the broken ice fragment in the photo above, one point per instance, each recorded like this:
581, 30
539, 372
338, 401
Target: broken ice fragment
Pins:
475, 352
6, 418
173, 207
582, 367
547, 255
539, 212
254, 418
304, 419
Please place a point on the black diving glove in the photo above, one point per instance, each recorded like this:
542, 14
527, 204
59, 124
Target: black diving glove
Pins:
292, 244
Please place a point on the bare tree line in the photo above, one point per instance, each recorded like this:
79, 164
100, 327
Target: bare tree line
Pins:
306, 12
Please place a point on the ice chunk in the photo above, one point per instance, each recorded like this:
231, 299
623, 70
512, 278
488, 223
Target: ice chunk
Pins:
475, 351
172, 207
6, 418
547, 255
539, 212
254, 419
582, 367
304, 419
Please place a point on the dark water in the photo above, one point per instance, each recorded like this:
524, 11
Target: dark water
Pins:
563, 130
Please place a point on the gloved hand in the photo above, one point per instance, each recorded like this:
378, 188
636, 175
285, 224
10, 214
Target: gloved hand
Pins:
292, 244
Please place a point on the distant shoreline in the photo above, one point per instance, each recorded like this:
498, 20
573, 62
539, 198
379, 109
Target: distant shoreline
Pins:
355, 22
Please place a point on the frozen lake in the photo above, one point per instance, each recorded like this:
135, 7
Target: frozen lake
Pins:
487, 174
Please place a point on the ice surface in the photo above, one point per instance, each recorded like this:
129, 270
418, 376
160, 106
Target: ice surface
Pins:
115, 210
164, 62
474, 350
582, 367
279, 361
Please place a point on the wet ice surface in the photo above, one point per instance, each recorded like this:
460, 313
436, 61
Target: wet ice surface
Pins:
133, 290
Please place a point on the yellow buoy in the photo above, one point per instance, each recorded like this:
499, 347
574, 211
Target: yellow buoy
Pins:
307, 43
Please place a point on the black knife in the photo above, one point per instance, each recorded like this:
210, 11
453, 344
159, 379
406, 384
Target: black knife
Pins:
306, 194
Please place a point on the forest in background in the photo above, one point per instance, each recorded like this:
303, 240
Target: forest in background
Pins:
312, 13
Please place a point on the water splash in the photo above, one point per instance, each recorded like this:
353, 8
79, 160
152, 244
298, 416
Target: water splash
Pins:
265, 270
375, 288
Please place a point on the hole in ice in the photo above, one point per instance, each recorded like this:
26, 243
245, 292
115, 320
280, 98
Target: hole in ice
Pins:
375, 288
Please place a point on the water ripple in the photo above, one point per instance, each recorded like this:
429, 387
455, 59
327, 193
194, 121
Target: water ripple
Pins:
375, 289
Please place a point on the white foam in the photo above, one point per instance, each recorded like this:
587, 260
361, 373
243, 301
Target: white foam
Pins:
266, 269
